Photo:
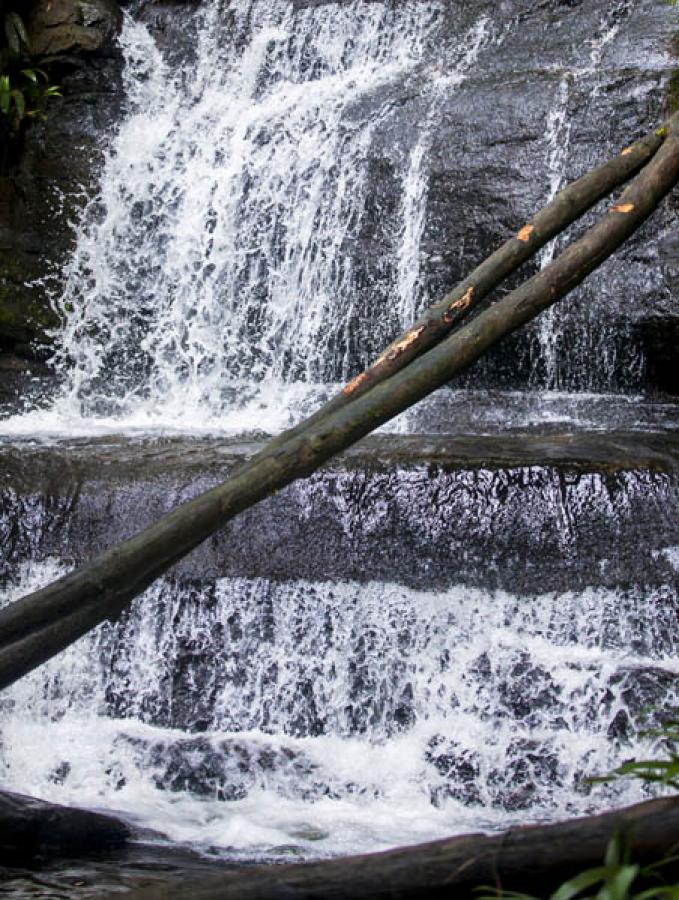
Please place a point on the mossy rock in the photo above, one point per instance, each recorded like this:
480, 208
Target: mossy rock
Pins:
73, 26
24, 323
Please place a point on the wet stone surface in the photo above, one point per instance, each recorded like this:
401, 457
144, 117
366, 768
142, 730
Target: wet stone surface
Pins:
521, 513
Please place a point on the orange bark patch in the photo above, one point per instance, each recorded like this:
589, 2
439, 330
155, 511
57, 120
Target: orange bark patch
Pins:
623, 208
627, 151
526, 232
397, 348
354, 383
459, 305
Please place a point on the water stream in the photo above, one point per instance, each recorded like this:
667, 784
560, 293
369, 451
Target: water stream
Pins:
557, 137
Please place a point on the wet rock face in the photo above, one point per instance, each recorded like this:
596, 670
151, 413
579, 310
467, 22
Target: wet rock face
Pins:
227, 769
172, 24
408, 522
535, 525
561, 89
459, 768
40, 197
73, 26
659, 332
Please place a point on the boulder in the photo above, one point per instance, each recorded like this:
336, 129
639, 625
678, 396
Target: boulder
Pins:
73, 26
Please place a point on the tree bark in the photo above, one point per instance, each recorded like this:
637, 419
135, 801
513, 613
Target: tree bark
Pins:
535, 858
32, 828
42, 624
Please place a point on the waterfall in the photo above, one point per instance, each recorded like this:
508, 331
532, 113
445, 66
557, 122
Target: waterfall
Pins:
227, 264
213, 271
410, 643
414, 201
557, 139
419, 652
367, 715
557, 136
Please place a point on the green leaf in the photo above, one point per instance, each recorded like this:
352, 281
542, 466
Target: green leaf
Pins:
666, 892
15, 32
31, 74
614, 852
652, 869
581, 882
617, 887
19, 103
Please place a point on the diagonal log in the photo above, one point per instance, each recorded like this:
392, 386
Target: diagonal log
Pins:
42, 624
535, 858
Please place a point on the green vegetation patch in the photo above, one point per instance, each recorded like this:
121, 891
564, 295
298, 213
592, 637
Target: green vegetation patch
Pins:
25, 88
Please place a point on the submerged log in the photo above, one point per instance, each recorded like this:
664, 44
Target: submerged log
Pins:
535, 858
32, 829
42, 624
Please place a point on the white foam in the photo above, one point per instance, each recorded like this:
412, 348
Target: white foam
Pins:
436, 711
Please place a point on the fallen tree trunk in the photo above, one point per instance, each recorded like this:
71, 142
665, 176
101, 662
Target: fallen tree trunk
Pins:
42, 624
32, 828
534, 858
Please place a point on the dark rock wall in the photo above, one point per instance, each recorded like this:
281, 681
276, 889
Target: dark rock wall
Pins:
522, 516
41, 194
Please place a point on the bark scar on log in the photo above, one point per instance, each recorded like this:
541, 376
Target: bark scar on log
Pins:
354, 384
458, 306
627, 151
623, 208
398, 347
525, 233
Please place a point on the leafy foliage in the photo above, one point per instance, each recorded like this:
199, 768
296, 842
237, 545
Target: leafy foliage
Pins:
24, 88
616, 878
16, 37
664, 770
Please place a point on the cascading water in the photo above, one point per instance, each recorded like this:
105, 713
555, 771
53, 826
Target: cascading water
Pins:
557, 137
225, 266
213, 272
377, 656
313, 709
414, 202
343, 717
